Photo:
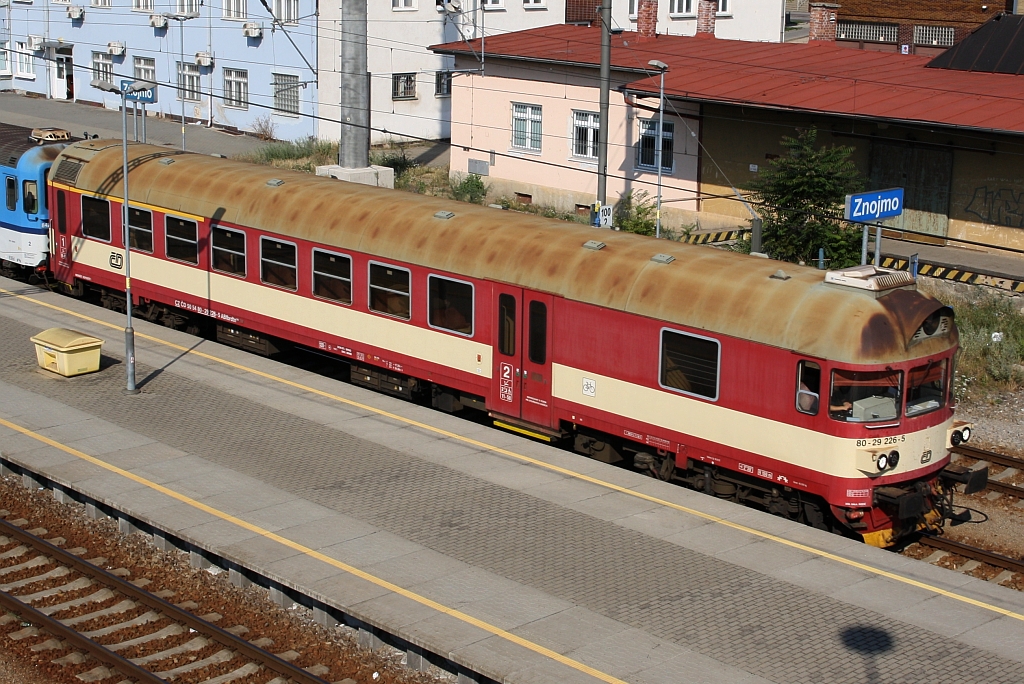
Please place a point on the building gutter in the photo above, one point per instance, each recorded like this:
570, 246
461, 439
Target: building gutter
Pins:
539, 60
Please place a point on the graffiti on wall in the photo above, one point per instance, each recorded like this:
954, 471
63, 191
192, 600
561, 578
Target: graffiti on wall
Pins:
1002, 207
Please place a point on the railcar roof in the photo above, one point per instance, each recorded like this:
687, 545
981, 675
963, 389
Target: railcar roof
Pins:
703, 288
14, 142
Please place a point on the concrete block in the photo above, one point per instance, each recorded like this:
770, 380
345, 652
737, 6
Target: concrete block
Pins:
415, 661
379, 176
238, 579
466, 678
29, 481
280, 598
323, 617
367, 639
197, 560
61, 496
161, 542
5, 471
95, 512
125, 526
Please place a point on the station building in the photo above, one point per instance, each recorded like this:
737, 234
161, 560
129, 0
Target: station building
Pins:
951, 135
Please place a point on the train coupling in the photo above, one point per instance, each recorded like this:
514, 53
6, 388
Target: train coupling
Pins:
908, 503
972, 480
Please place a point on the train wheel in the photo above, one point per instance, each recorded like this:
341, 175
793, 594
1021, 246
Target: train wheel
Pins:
667, 468
814, 517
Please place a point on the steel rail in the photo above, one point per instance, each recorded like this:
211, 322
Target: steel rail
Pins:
972, 552
1003, 488
990, 456
79, 642
227, 639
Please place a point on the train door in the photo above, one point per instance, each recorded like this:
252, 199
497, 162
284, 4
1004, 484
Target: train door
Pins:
61, 245
506, 390
536, 348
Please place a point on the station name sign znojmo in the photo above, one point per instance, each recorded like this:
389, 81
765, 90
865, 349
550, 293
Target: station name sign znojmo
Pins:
875, 205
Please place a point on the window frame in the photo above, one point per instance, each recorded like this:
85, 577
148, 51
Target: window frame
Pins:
403, 6
24, 62
472, 299
879, 422
168, 236
281, 94
184, 91
145, 71
6, 68
231, 76
681, 8
943, 395
528, 133
110, 229
11, 193
143, 5
62, 212
278, 263
398, 92
723, 9
593, 127
102, 66
234, 10
369, 286
25, 195
535, 4
443, 83
800, 380
244, 253
718, 364
669, 137
500, 336
313, 274
292, 11
132, 228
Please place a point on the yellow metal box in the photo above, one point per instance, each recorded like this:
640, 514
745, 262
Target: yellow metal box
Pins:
67, 352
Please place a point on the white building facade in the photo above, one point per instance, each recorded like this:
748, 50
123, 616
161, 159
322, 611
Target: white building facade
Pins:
753, 20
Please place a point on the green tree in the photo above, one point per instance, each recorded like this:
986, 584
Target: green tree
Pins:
801, 196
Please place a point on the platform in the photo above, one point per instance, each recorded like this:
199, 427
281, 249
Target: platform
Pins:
1003, 270
517, 560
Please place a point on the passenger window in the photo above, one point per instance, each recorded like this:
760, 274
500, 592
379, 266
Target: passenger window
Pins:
30, 191
182, 240
865, 396
228, 248
96, 218
808, 387
507, 324
926, 391
278, 264
12, 193
538, 347
389, 290
332, 276
62, 213
140, 230
451, 305
689, 364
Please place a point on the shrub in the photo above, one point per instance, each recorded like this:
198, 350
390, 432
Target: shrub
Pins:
468, 188
263, 127
636, 213
395, 159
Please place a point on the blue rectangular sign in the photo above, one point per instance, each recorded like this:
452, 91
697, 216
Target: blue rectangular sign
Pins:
147, 96
873, 206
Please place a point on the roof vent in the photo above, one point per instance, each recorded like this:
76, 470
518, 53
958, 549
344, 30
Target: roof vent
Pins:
444, 215
275, 182
870, 278
166, 161
594, 245
663, 258
780, 275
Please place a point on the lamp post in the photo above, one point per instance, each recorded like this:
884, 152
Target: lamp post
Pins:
662, 67
181, 19
129, 332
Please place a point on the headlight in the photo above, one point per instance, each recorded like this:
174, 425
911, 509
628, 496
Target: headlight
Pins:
957, 438
894, 459
966, 432
883, 461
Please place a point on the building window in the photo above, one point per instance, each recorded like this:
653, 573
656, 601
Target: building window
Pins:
145, 69
389, 290
286, 93
332, 276
228, 248
403, 4
866, 32
25, 61
451, 305
723, 6
632, 9
493, 4
533, 3
5, 58
689, 364
277, 263
443, 83
140, 230
182, 239
685, 7
103, 67
187, 6
235, 9
585, 126
142, 5
188, 82
96, 218
646, 153
526, 127
403, 86
236, 88
103, 4
939, 36
287, 11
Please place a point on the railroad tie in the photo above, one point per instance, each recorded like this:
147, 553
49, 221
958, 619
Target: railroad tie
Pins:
217, 658
13, 553
121, 607
95, 597
244, 671
59, 571
80, 583
195, 644
168, 631
150, 616
31, 563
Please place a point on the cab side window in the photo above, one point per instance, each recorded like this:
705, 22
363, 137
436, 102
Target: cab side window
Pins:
12, 193
808, 387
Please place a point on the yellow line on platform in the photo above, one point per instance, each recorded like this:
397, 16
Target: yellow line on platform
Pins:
536, 462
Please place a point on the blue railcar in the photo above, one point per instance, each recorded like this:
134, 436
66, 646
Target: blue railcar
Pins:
24, 215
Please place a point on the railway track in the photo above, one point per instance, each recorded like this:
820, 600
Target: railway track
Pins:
998, 459
972, 552
79, 604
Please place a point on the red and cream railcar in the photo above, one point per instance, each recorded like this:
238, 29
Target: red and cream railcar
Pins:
823, 397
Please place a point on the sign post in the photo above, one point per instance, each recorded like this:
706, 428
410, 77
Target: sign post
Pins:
865, 207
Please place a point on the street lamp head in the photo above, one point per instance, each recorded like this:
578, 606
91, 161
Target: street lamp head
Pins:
181, 17
139, 86
658, 64
105, 86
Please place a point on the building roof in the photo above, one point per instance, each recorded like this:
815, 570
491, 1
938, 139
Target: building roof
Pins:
995, 47
816, 77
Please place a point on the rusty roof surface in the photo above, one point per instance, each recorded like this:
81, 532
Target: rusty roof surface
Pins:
814, 77
704, 288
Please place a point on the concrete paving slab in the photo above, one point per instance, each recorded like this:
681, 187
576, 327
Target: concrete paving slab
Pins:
105, 444
661, 522
394, 610
626, 653
1003, 636
567, 491
417, 568
519, 476
570, 629
347, 591
881, 595
819, 575
612, 506
242, 496
942, 616
511, 609
693, 667
712, 539
48, 457
765, 556
218, 533
504, 659
327, 532
371, 548
301, 570
79, 429
258, 551
290, 514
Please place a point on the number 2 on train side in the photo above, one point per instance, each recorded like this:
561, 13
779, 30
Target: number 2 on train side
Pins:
505, 391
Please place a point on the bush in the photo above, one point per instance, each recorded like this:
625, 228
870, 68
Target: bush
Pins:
395, 159
468, 188
636, 213
309, 151
263, 127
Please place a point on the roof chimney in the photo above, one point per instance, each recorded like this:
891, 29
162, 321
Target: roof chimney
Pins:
647, 18
823, 21
706, 12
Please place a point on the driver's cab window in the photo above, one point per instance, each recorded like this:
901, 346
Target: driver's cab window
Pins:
808, 388
865, 396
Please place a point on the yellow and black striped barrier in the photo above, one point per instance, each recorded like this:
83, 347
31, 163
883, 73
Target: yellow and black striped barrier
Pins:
957, 275
719, 236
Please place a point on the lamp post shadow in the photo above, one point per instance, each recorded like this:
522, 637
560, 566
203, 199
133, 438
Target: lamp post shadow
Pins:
870, 642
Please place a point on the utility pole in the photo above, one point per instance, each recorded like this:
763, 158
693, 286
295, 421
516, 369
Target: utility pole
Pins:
602, 131
354, 149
